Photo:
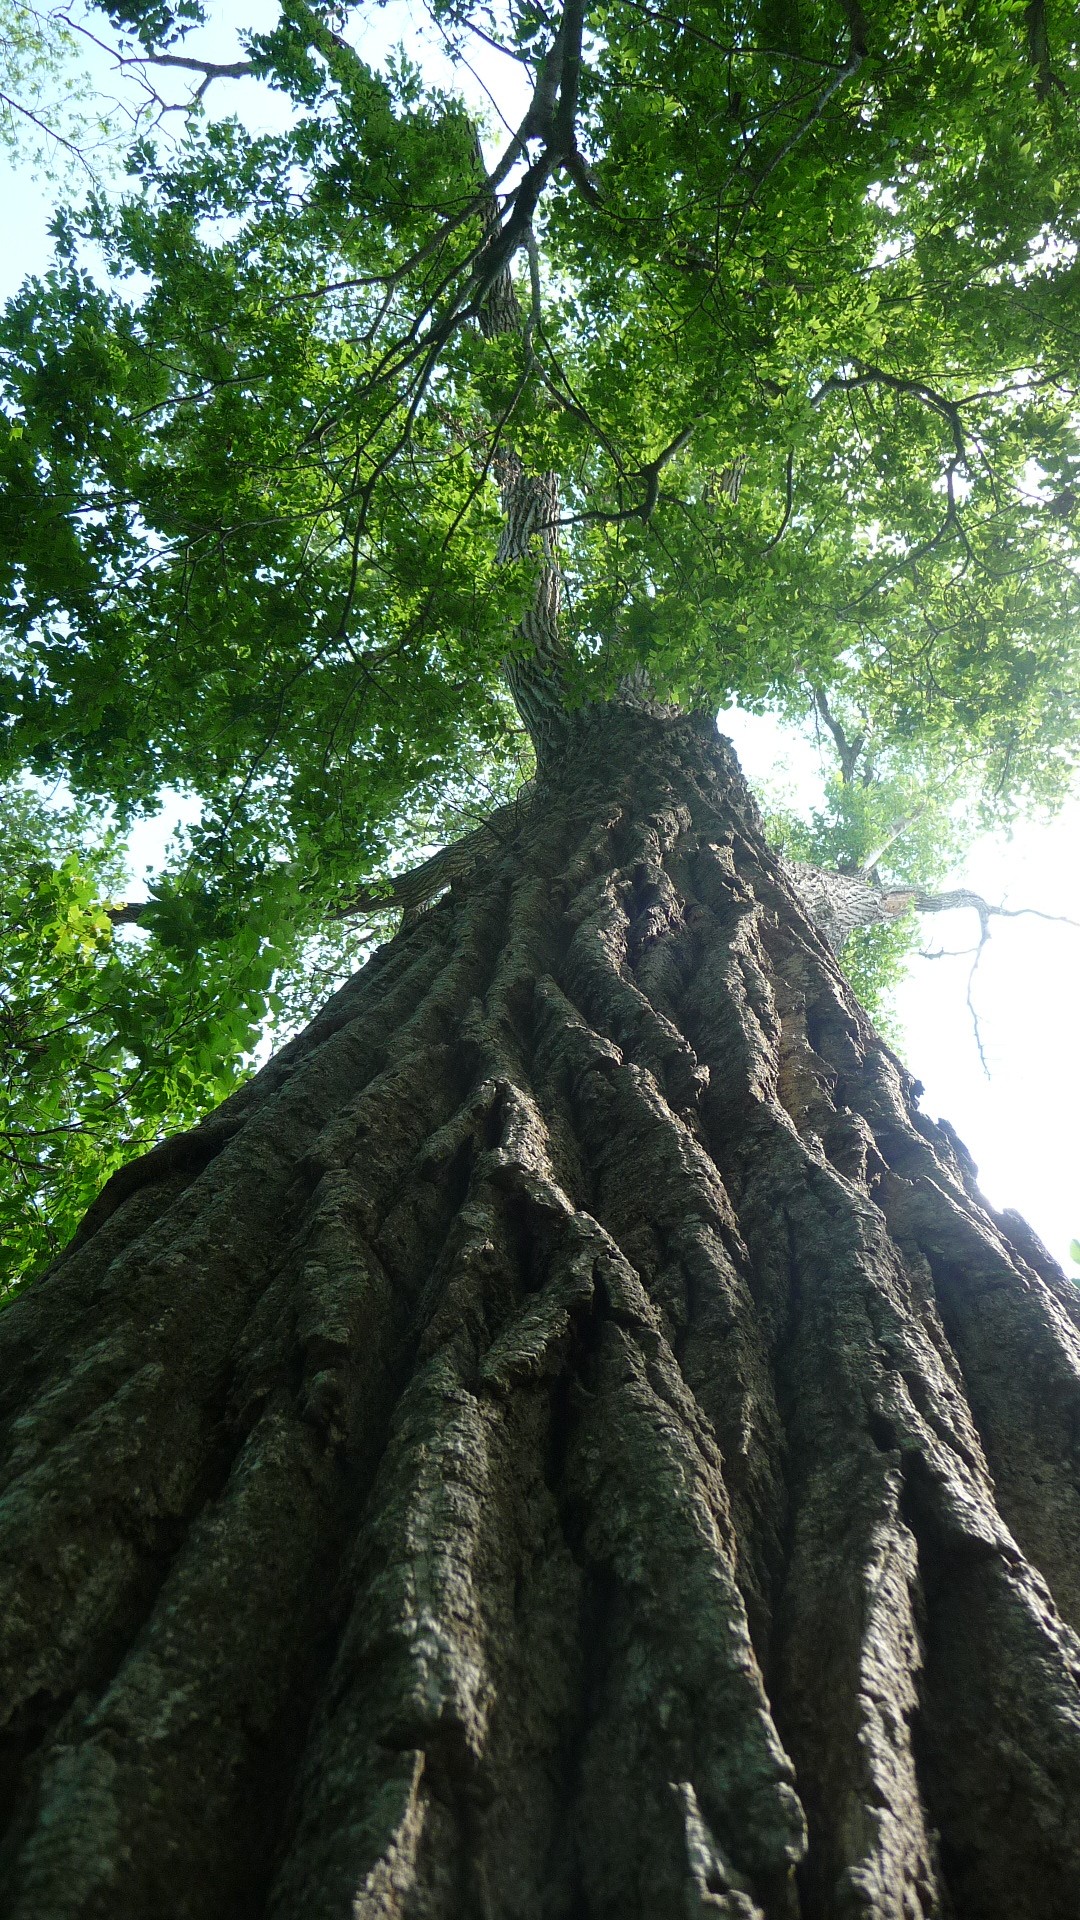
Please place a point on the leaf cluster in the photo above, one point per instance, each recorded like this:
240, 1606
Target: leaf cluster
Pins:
107, 1037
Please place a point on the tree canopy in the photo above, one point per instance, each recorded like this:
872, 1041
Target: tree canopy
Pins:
797, 325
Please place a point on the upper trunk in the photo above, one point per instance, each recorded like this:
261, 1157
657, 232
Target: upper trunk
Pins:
567, 1440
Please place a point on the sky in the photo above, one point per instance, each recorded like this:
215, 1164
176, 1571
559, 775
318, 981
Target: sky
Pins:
1021, 1120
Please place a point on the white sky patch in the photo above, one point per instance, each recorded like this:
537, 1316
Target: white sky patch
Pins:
148, 841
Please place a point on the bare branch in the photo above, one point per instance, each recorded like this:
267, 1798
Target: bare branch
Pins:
210, 69
963, 897
976, 1029
43, 127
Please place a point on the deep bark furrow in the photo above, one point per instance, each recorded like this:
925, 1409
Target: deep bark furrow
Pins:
1020, 1358
847, 1660
646, 1469
1010, 1351
182, 1757
657, 1192
414, 1669
531, 1456
915, 1365
1000, 1723
155, 1444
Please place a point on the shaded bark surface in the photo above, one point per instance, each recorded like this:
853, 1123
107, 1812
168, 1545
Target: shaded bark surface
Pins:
566, 1441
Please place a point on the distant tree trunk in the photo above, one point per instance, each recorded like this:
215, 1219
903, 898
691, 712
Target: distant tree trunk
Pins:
566, 1442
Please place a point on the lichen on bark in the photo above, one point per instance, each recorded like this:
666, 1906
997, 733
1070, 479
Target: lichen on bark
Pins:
567, 1440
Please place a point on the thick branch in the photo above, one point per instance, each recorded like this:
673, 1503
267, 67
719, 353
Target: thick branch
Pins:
1038, 50
900, 828
413, 891
210, 69
848, 750
789, 502
870, 376
644, 508
963, 897
530, 502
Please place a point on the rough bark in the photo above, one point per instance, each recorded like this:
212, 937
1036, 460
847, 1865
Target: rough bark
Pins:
567, 1440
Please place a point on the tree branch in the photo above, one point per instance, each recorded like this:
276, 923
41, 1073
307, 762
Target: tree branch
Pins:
43, 127
848, 750
963, 897
900, 828
1038, 50
857, 50
211, 69
414, 890
870, 376
789, 501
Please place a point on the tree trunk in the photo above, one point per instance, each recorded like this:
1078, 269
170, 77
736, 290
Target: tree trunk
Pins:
566, 1441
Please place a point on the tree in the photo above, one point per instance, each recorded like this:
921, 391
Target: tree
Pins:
567, 1437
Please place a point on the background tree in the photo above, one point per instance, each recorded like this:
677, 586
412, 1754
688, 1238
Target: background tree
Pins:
567, 1437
